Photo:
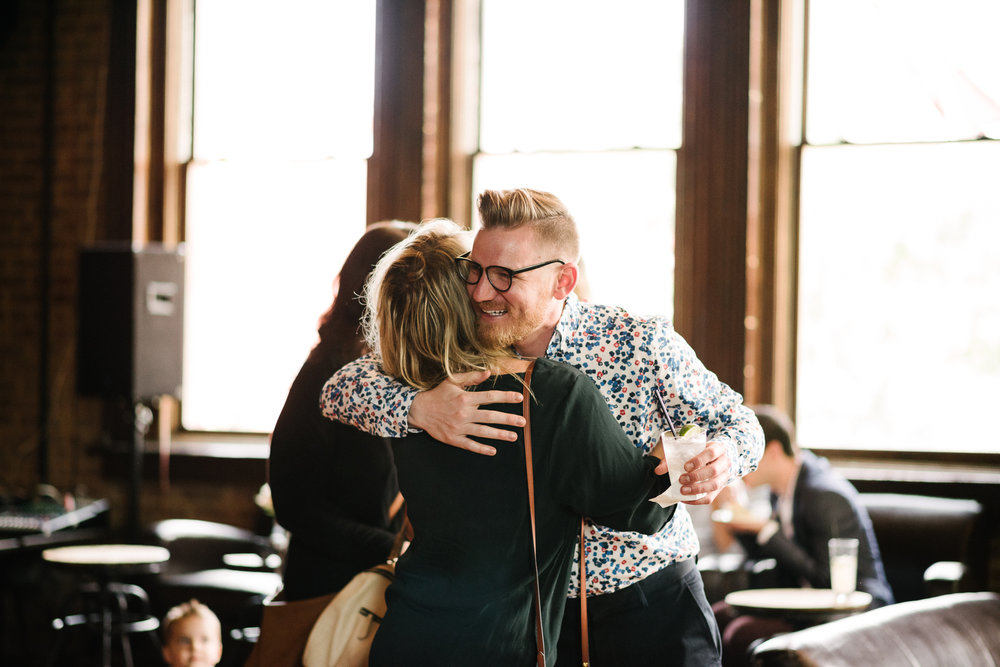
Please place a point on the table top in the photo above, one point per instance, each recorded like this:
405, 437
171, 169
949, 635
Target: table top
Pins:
798, 600
107, 554
252, 561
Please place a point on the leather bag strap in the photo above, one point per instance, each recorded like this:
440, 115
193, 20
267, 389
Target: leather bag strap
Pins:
396, 505
584, 636
529, 471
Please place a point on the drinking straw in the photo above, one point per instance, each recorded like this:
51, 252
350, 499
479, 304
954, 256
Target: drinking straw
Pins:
666, 415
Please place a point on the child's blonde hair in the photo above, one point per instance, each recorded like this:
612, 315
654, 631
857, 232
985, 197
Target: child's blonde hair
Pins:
185, 610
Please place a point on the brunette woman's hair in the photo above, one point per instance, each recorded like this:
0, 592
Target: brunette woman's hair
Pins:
340, 335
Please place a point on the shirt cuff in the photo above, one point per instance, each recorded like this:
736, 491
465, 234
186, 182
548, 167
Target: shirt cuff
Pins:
733, 451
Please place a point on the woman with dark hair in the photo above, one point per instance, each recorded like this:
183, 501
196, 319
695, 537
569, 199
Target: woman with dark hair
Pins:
333, 486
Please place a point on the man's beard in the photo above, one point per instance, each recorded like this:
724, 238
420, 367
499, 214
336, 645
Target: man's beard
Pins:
514, 329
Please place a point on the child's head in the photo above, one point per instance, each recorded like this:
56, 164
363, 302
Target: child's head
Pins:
192, 636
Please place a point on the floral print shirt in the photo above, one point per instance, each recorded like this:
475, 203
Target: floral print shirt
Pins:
628, 358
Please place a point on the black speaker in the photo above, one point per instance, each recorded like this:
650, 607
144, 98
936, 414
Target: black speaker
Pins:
131, 321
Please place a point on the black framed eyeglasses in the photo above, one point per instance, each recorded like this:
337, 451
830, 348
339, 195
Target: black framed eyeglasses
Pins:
500, 277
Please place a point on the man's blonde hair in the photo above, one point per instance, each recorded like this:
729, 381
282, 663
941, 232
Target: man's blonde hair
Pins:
184, 610
418, 315
542, 211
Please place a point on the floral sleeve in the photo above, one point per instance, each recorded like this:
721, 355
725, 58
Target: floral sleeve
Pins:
693, 393
362, 395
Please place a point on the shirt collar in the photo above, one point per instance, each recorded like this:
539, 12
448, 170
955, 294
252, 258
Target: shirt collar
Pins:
568, 323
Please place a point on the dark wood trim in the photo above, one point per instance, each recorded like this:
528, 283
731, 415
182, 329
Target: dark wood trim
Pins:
981, 460
178, 80
254, 445
437, 109
463, 119
761, 178
789, 109
711, 231
119, 126
395, 169
772, 243
46, 219
157, 121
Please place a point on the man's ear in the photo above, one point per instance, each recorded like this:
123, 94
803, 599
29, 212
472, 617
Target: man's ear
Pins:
566, 281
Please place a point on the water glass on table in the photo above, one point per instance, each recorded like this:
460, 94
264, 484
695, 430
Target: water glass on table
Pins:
843, 567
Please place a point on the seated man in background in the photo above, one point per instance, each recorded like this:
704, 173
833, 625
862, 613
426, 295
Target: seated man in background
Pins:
812, 503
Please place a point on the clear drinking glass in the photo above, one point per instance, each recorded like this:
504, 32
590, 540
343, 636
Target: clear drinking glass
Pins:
676, 452
843, 567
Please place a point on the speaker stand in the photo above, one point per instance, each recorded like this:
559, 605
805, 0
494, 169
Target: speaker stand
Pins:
142, 417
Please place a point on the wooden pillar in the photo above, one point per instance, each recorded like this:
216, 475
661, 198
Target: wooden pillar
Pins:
395, 169
119, 134
711, 232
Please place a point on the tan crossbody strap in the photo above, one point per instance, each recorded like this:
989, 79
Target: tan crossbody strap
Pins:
529, 471
584, 637
397, 504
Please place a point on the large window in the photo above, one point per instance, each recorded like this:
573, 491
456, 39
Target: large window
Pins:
583, 99
898, 313
578, 100
899, 287
276, 193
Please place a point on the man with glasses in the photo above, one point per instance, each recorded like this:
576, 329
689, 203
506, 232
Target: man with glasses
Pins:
645, 597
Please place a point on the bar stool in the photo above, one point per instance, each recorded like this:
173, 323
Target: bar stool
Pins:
106, 598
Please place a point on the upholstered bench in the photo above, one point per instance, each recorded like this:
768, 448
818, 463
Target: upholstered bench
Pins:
929, 545
943, 631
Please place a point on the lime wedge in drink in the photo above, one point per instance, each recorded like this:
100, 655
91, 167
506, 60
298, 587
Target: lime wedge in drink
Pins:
689, 429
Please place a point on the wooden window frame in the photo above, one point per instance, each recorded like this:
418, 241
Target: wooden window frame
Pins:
737, 173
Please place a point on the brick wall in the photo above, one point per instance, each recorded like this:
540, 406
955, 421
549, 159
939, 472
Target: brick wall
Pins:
53, 178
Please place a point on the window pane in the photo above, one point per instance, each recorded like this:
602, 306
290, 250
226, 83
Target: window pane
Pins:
889, 72
293, 79
581, 74
623, 203
276, 195
899, 296
263, 248
583, 99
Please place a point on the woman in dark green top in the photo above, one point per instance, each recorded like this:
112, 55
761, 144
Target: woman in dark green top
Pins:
464, 589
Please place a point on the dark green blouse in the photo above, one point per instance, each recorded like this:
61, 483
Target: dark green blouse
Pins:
464, 589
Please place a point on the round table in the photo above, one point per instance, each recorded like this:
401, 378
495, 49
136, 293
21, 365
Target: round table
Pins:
108, 555
799, 606
106, 564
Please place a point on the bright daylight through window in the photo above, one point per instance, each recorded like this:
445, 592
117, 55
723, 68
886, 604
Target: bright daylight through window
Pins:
587, 105
276, 195
899, 278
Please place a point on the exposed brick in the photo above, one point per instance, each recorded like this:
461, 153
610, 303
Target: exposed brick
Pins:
75, 424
